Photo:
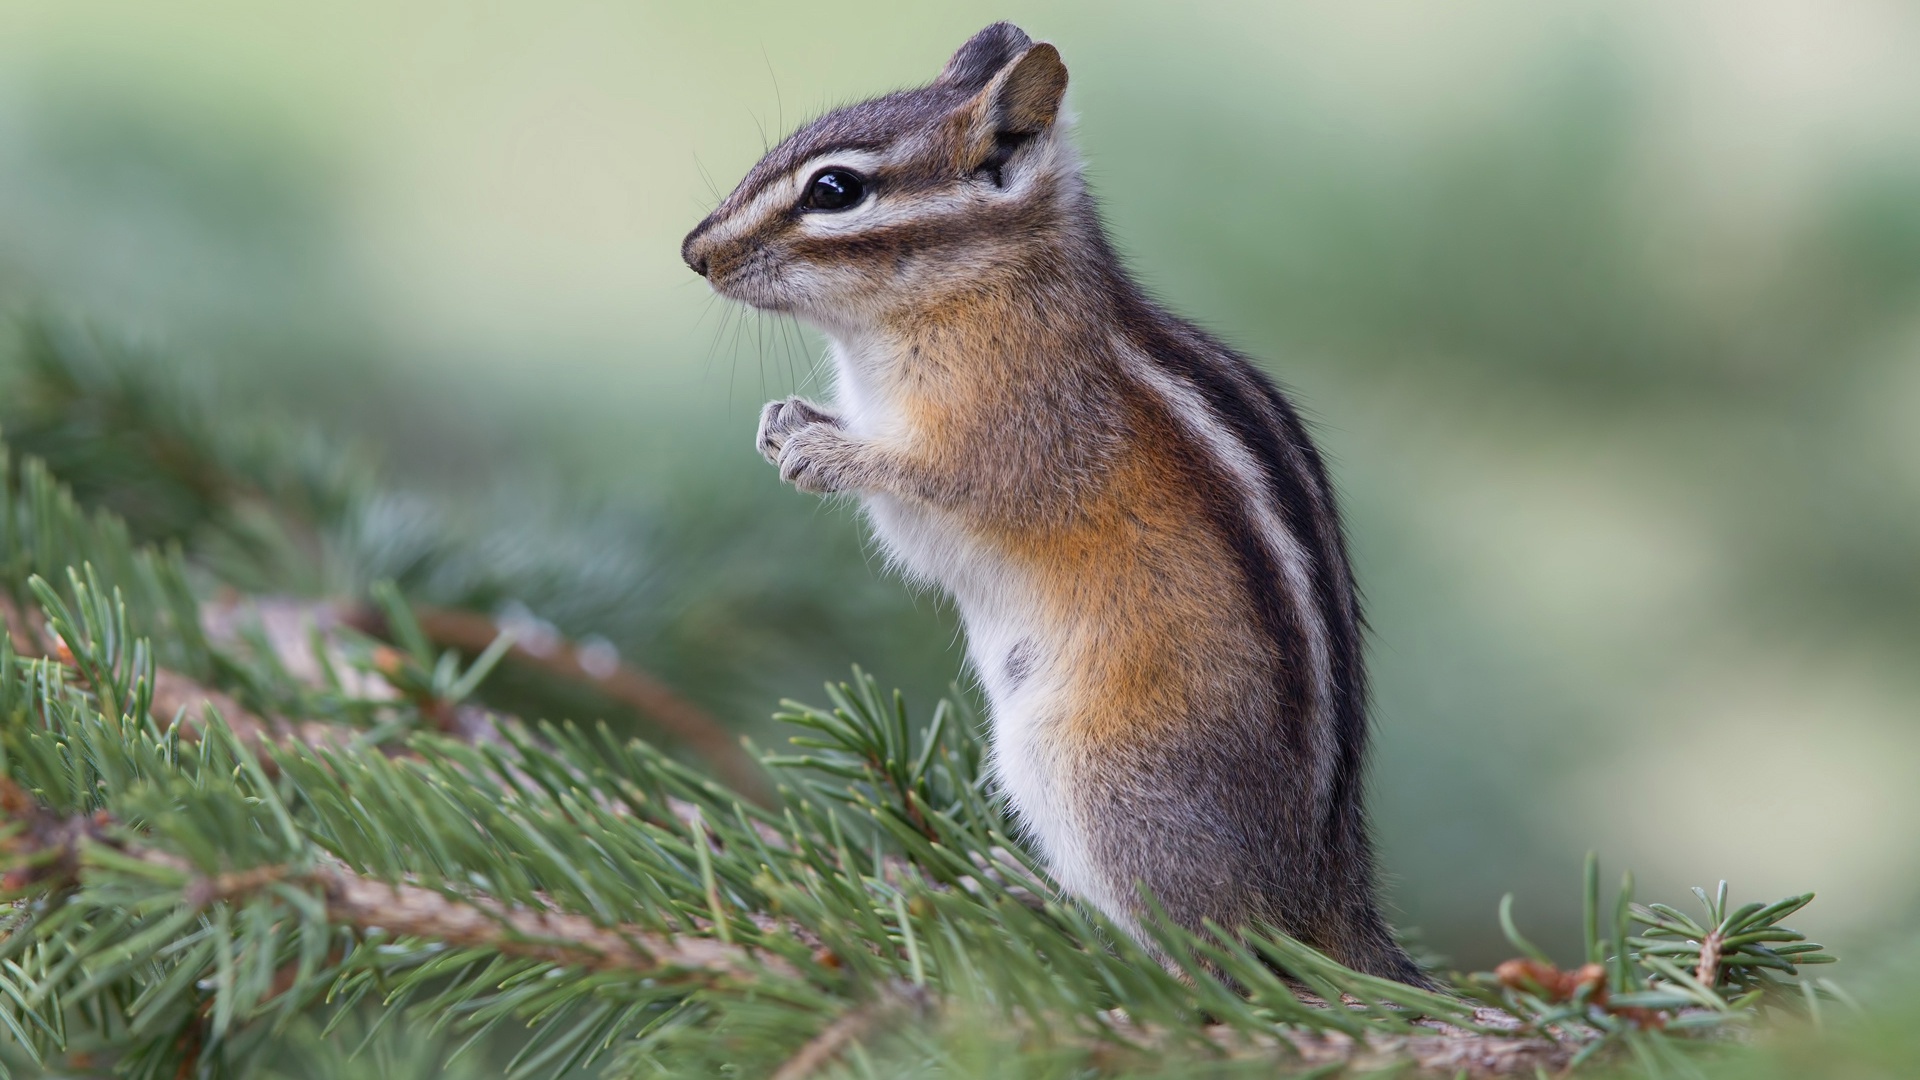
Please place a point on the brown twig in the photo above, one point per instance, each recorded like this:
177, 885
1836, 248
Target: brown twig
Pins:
1708, 972
1552, 985
1444, 1053
550, 936
1433, 1048
472, 632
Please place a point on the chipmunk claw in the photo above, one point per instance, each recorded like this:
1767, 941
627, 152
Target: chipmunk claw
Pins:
807, 458
780, 419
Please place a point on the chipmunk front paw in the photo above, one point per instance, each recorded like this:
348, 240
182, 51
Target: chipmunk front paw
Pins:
814, 458
780, 419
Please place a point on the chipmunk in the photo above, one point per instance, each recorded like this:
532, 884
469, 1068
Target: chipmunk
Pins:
1137, 531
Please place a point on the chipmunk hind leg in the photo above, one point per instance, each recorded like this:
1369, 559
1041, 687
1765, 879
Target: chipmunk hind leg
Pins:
1192, 837
1237, 849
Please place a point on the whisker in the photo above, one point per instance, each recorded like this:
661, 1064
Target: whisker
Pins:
719, 331
739, 328
727, 339
760, 346
784, 335
805, 360
778, 104
707, 177
810, 358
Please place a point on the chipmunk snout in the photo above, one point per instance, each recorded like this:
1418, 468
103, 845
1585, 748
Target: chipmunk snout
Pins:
696, 249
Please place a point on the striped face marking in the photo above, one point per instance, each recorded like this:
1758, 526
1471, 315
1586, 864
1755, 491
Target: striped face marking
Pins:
879, 207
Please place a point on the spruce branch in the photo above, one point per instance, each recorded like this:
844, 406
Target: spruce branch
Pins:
1682, 976
266, 503
181, 889
49, 851
171, 694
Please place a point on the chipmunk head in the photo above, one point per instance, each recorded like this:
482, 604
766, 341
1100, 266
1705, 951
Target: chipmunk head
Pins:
905, 198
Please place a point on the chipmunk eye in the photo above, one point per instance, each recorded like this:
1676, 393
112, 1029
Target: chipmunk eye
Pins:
834, 189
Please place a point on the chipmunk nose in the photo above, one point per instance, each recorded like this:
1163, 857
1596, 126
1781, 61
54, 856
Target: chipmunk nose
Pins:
693, 251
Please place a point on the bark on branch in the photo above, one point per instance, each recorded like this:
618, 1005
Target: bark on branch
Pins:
46, 851
549, 936
472, 632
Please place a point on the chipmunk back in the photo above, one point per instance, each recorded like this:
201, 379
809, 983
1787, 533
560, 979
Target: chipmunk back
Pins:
1136, 529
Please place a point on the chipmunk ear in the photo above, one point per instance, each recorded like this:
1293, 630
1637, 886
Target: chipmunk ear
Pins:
982, 57
1025, 96
1018, 102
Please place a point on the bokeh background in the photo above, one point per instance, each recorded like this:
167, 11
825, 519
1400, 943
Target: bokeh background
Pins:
1608, 314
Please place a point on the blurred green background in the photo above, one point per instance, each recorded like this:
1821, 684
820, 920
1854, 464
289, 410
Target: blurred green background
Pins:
1609, 316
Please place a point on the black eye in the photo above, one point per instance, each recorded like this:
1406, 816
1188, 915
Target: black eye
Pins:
834, 189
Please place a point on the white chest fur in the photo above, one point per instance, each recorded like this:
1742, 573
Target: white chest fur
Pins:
1012, 644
